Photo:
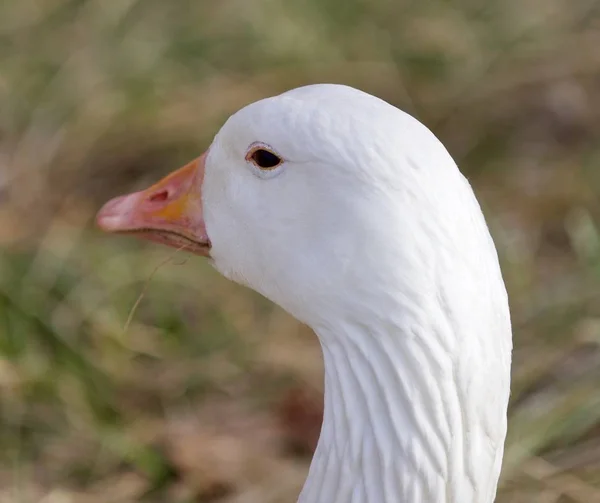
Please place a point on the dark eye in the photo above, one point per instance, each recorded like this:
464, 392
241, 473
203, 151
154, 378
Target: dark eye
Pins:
265, 159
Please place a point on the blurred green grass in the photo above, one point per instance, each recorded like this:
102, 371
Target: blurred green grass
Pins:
101, 97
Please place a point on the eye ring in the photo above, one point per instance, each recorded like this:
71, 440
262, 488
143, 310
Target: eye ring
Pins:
264, 158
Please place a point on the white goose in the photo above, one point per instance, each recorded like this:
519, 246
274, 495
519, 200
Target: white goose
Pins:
353, 217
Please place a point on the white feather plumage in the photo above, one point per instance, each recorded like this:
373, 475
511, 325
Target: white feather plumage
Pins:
369, 233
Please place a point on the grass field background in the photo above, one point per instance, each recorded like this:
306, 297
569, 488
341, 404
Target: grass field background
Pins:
211, 393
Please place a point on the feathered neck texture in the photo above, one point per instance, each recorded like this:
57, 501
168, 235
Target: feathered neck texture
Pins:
399, 424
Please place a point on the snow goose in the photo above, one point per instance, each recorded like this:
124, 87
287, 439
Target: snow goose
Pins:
353, 217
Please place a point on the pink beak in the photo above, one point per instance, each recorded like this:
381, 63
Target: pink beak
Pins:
169, 212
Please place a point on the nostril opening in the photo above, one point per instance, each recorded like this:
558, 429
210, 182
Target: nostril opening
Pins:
159, 197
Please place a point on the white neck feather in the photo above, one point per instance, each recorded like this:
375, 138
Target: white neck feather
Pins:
397, 426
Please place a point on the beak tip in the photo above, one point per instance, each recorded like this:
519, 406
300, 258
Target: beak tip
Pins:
112, 217
107, 223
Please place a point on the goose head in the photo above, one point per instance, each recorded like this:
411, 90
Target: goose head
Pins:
303, 197
353, 217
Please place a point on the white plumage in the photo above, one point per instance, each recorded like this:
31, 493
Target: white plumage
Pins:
367, 232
